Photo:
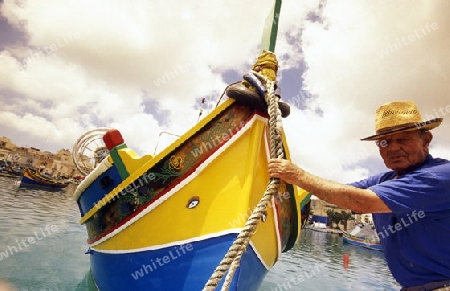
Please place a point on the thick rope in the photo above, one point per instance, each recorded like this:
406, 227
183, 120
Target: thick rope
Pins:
231, 260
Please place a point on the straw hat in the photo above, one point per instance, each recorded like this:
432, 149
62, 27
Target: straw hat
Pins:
399, 116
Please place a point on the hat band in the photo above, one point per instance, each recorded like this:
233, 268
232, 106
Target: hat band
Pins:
409, 125
399, 127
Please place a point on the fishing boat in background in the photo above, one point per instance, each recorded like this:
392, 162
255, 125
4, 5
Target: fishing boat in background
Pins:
31, 179
363, 235
7, 170
319, 222
10, 172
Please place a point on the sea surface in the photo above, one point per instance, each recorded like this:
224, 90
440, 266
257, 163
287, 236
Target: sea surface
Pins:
42, 247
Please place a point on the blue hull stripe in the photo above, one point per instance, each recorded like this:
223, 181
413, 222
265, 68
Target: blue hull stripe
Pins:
175, 268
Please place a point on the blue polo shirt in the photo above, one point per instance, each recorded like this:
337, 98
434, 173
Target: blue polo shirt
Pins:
416, 235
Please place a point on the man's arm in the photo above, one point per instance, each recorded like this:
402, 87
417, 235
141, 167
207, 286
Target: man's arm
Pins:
345, 196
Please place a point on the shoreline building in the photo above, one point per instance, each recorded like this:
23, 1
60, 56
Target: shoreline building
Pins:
56, 165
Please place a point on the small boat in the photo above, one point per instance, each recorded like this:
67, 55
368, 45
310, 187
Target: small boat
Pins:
363, 235
319, 222
31, 179
8, 171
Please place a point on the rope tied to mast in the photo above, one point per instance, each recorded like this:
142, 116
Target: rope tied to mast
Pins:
231, 260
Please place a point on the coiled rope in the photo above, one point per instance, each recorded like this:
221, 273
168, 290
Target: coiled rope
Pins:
231, 260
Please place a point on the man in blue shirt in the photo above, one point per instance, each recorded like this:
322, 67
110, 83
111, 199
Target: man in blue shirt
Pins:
410, 203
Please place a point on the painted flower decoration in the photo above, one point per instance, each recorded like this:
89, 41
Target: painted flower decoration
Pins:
176, 163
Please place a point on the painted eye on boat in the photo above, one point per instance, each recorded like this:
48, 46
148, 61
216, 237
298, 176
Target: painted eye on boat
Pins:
193, 202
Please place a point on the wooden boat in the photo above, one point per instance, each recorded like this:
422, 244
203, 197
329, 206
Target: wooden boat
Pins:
8, 171
32, 179
165, 222
204, 206
366, 239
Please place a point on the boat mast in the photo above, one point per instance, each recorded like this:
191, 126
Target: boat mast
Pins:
270, 33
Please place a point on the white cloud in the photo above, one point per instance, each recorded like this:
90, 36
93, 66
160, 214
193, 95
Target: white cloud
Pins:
94, 64
351, 80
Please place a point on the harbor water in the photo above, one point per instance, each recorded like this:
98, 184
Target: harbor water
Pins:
42, 247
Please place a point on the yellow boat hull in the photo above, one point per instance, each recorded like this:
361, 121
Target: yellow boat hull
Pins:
200, 189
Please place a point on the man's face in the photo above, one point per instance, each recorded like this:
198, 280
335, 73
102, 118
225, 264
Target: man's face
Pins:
404, 150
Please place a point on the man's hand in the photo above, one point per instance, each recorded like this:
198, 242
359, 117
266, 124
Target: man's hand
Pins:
284, 170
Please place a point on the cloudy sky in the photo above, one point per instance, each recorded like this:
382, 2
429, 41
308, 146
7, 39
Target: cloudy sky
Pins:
142, 67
